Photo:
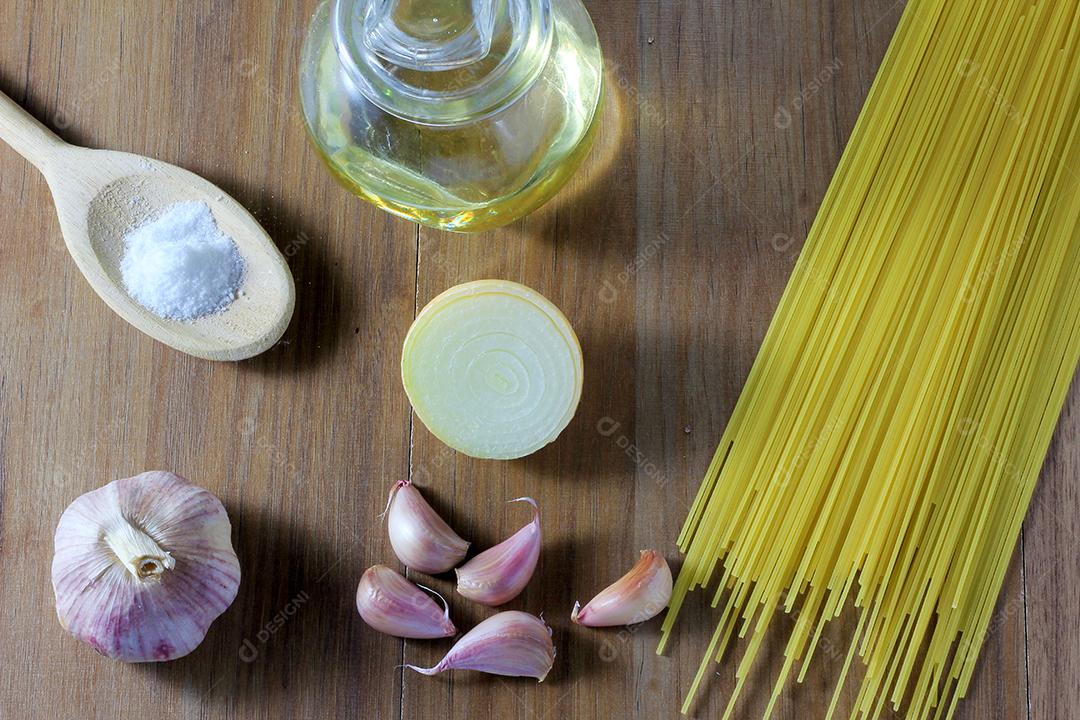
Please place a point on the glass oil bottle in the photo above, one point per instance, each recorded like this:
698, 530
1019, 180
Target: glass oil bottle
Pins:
458, 114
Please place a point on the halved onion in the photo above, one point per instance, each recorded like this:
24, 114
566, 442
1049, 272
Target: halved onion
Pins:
493, 369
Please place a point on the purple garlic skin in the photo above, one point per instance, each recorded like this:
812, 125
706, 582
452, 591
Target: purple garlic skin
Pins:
510, 643
499, 574
420, 538
143, 566
392, 605
637, 596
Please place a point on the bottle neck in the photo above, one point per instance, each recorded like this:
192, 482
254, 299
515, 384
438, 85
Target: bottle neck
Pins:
442, 62
429, 35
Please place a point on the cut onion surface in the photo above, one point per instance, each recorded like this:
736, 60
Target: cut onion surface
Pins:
493, 369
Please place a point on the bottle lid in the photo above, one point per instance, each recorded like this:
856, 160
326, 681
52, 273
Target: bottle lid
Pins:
442, 62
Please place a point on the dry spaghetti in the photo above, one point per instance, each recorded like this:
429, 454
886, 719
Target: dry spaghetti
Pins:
885, 446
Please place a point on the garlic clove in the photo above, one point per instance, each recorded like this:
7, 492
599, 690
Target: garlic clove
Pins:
143, 566
393, 605
420, 538
511, 643
635, 597
499, 574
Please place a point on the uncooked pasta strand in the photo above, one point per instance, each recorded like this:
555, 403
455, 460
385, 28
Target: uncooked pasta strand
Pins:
887, 441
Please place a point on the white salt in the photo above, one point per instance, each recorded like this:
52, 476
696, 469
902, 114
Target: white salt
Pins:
181, 266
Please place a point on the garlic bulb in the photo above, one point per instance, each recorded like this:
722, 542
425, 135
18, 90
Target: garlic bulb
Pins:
499, 574
143, 566
393, 605
512, 643
420, 538
635, 597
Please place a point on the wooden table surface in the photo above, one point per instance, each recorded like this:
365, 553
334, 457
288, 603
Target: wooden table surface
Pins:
668, 252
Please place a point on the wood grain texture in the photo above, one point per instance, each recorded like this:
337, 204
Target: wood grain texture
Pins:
668, 252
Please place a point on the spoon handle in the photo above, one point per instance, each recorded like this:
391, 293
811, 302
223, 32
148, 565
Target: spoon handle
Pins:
26, 135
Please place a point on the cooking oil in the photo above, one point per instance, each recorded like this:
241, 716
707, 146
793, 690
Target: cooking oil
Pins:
460, 130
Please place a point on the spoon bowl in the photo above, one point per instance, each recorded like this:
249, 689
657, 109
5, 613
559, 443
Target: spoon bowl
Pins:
103, 195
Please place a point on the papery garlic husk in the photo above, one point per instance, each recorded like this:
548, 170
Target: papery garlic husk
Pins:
637, 596
391, 604
512, 643
420, 538
143, 566
499, 574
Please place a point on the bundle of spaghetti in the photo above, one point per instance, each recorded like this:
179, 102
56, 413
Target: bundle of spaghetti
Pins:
885, 446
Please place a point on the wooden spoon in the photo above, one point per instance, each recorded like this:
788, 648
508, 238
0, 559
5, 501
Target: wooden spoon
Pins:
102, 195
